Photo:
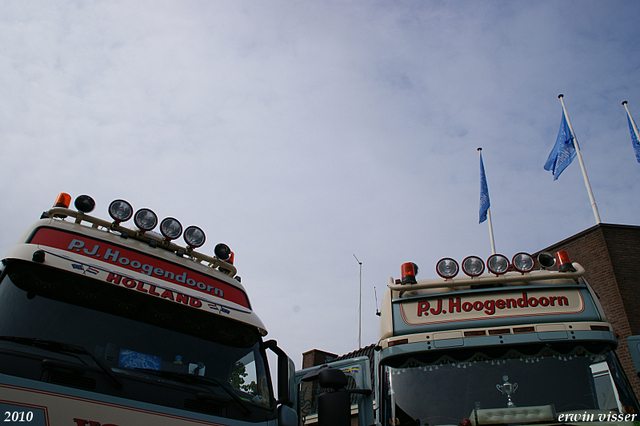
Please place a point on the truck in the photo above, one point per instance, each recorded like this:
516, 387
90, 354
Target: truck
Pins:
512, 345
103, 324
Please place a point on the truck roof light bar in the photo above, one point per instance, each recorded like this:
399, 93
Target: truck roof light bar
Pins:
505, 279
523, 262
145, 220
498, 264
120, 211
447, 268
473, 266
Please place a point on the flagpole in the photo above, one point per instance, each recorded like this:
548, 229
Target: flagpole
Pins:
633, 123
584, 171
493, 243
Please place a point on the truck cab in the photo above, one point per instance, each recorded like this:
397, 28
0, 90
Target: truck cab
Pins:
102, 324
512, 345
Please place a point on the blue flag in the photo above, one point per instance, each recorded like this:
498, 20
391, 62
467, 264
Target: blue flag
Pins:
485, 203
634, 137
563, 151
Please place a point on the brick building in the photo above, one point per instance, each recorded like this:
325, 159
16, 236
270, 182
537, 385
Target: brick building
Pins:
610, 255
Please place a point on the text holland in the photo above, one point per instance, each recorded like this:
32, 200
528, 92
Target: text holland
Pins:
490, 306
151, 289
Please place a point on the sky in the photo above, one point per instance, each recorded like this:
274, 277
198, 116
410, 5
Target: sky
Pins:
308, 135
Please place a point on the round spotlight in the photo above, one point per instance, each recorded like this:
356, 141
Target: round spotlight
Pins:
84, 204
170, 228
447, 268
523, 262
497, 264
473, 266
222, 251
120, 210
145, 219
546, 259
194, 236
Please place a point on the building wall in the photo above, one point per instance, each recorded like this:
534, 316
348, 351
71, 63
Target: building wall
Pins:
611, 257
316, 357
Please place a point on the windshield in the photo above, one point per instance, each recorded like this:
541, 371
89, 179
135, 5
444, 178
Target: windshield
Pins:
500, 385
130, 344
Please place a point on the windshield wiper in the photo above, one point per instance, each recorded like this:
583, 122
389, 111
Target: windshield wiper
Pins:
201, 379
60, 347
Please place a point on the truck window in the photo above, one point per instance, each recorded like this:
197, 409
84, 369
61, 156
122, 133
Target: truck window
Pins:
59, 327
445, 389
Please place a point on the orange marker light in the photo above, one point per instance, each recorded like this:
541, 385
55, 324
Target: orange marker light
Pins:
409, 271
564, 262
63, 200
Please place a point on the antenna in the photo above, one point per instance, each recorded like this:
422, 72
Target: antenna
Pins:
359, 306
376, 296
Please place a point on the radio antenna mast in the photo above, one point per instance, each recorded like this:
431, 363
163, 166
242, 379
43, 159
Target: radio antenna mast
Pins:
359, 306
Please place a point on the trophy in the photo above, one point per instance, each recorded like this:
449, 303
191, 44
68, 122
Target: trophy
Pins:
507, 389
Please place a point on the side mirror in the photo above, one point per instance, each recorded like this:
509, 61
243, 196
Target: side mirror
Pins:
286, 370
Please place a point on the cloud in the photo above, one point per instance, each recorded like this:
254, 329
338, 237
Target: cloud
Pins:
302, 133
